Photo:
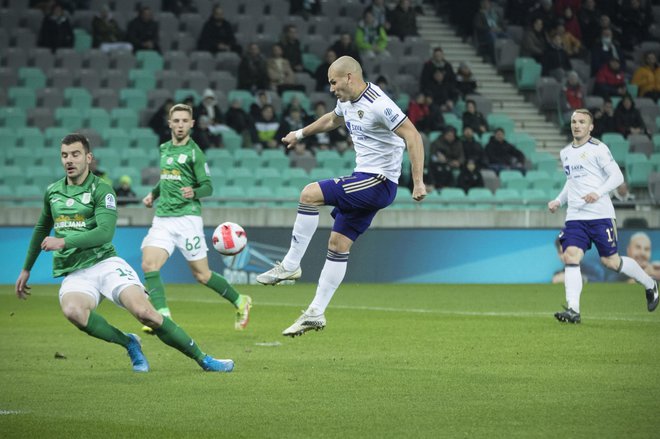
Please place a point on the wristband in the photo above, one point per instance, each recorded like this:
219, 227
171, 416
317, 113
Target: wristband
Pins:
299, 134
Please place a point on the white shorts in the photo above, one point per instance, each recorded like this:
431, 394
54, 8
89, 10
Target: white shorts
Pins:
107, 279
183, 232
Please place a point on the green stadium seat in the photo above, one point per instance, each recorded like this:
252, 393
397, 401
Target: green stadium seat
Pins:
452, 120
523, 141
297, 178
547, 162
402, 101
142, 79
349, 158
98, 119
23, 156
655, 160
507, 176
142, 137
30, 137
244, 96
182, 94
12, 117
508, 199
12, 175
245, 157
149, 60
656, 139
139, 157
234, 196
31, 77
403, 199
318, 174
638, 174
76, 97
242, 177
30, 195
634, 158
108, 158
82, 40
329, 159
527, 72
116, 138
218, 180
453, 198
232, 140
311, 61
288, 95
126, 118
22, 97
270, 177
287, 196
619, 149
54, 135
431, 202
9, 139
536, 199
274, 158
477, 196
433, 135
219, 158
500, 120
69, 118
133, 98
261, 196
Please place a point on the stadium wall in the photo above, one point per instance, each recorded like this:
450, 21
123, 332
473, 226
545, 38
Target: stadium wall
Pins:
393, 255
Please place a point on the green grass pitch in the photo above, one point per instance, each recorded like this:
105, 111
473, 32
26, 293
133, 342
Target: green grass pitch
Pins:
399, 361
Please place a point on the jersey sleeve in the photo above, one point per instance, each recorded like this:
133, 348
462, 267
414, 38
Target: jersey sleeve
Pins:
105, 214
203, 188
388, 113
41, 230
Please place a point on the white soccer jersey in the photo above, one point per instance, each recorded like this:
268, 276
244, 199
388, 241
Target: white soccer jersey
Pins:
371, 120
589, 168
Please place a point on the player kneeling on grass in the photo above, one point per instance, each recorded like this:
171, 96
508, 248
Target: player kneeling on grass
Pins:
82, 209
591, 174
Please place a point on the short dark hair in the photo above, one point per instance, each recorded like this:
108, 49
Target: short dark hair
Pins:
77, 137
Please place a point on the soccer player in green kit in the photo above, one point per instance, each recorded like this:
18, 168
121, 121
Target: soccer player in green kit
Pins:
184, 179
82, 209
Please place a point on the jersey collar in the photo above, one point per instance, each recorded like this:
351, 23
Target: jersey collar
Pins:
362, 94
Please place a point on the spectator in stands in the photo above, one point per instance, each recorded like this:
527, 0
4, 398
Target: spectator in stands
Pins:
473, 149
518, 11
571, 44
217, 34
143, 32
545, 11
419, 111
370, 38
627, 118
436, 62
570, 23
305, 7
178, 7
301, 157
321, 73
335, 139
588, 17
295, 104
610, 80
403, 20
534, 41
635, 22
106, 34
439, 171
604, 50
604, 119
159, 121
488, 26
209, 107
345, 46
253, 70
291, 49
56, 29
380, 12
443, 93
465, 80
241, 122
292, 120
263, 98
203, 136
647, 77
503, 155
469, 177
450, 147
390, 89
267, 127
555, 60
473, 118
573, 95
125, 193
280, 74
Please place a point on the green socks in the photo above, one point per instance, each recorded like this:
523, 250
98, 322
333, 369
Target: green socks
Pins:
172, 335
220, 285
156, 289
99, 327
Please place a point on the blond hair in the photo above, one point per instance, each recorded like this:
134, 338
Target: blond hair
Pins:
181, 107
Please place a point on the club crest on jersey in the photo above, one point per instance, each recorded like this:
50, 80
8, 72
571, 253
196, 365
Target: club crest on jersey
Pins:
86, 197
170, 160
182, 158
110, 202
69, 202
360, 114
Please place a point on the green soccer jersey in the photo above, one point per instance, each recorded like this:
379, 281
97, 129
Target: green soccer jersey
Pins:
181, 166
85, 216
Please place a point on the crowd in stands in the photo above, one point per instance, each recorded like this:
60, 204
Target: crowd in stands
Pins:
603, 35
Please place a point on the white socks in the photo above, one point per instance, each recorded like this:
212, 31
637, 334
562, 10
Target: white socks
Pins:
573, 285
631, 268
306, 223
331, 276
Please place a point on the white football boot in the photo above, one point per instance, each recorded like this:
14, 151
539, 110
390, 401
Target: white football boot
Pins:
305, 323
278, 274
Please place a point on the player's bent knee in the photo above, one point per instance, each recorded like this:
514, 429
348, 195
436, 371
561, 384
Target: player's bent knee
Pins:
202, 277
148, 316
312, 194
76, 315
611, 262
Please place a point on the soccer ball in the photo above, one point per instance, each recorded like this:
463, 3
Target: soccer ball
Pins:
229, 238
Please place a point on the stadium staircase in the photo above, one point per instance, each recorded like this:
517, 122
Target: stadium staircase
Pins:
504, 96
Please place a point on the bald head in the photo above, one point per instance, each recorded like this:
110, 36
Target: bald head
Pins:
639, 248
346, 64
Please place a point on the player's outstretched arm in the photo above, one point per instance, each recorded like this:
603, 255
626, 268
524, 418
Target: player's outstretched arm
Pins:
410, 135
325, 123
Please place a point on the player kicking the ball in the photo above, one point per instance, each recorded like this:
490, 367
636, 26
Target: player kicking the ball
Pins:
380, 132
591, 174
82, 209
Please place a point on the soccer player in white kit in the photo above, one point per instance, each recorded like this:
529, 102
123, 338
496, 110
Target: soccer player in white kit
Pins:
591, 174
380, 132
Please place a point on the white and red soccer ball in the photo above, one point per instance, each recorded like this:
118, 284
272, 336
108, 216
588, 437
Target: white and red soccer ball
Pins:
229, 238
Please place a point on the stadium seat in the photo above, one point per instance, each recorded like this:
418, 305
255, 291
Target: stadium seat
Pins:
286, 196
29, 195
507, 177
133, 98
31, 77
9, 140
547, 93
234, 196
452, 120
232, 140
403, 199
30, 137
126, 118
453, 198
245, 157
241, 177
76, 97
297, 178
145, 138
536, 199
116, 138
219, 158
640, 143
546, 162
218, 179
288, 95
244, 96
477, 196
182, 94
269, 177
82, 40
149, 60
500, 120
329, 159
656, 142
132, 171
275, 159
260, 196
318, 174
53, 136
142, 79
527, 72
638, 173
70, 118
98, 119
12, 117
22, 97
108, 158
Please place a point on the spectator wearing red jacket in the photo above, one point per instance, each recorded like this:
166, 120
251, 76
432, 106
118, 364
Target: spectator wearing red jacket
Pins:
610, 80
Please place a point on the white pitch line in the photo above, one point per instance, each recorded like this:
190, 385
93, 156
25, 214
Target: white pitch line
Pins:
442, 312
11, 412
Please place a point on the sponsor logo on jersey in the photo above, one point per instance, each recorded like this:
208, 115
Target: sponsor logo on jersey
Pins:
173, 174
567, 170
66, 222
86, 198
182, 158
169, 160
110, 202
